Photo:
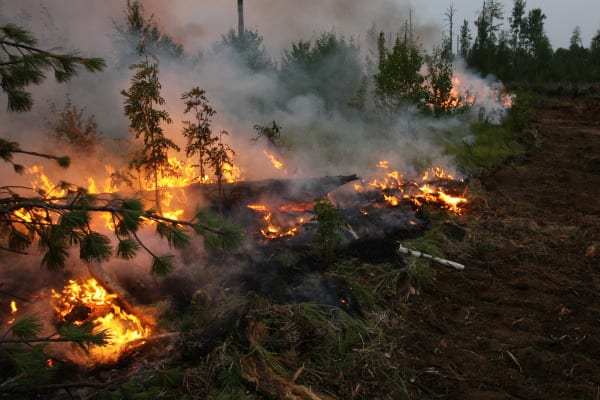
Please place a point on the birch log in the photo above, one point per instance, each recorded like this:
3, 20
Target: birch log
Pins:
438, 260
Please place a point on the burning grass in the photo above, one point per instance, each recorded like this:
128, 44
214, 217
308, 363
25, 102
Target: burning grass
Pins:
89, 302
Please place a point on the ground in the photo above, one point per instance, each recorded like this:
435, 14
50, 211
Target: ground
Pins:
522, 321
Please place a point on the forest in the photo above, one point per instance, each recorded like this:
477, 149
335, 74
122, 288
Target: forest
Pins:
359, 217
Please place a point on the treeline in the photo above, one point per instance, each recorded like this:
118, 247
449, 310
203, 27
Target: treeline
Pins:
522, 55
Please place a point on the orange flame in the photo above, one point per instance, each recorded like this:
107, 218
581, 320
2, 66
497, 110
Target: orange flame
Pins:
276, 163
90, 302
395, 188
271, 229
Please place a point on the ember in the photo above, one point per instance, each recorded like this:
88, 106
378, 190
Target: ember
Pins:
89, 302
431, 189
273, 228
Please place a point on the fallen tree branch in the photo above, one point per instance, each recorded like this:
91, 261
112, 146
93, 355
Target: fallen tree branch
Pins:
438, 260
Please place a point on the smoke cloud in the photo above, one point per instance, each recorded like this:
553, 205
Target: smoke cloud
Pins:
320, 140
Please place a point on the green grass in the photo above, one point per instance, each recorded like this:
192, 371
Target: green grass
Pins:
490, 146
487, 146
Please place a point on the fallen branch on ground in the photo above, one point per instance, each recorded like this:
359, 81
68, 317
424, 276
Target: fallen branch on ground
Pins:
438, 260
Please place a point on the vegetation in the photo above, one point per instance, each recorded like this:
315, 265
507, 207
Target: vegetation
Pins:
71, 128
23, 64
330, 223
141, 102
141, 29
301, 344
199, 134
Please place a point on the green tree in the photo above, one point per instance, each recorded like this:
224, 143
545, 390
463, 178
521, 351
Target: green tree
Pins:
440, 73
141, 29
538, 45
464, 39
483, 52
595, 55
579, 67
518, 29
142, 102
398, 80
199, 135
219, 156
330, 67
248, 48
23, 64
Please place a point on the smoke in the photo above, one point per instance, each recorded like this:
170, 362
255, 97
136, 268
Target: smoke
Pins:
318, 139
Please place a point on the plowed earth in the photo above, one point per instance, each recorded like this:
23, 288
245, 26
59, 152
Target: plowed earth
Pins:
523, 319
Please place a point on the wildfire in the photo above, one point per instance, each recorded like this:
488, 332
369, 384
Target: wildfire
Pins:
276, 163
272, 229
429, 190
42, 183
90, 302
13, 311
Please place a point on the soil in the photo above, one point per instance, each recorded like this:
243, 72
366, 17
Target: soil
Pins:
523, 319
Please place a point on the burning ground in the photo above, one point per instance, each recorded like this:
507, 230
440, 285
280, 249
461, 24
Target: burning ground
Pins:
281, 314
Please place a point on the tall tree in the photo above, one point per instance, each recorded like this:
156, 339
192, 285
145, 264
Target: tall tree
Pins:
483, 52
398, 81
142, 106
518, 28
330, 67
247, 47
538, 44
464, 39
440, 72
595, 55
449, 14
142, 29
241, 29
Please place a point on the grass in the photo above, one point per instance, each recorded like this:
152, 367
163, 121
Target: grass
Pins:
488, 145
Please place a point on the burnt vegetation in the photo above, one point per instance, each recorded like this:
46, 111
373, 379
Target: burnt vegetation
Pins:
295, 288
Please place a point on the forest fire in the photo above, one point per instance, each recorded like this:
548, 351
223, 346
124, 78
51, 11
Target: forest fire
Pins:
274, 160
273, 228
89, 302
429, 190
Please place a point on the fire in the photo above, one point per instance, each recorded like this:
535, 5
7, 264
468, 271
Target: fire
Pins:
90, 302
43, 183
396, 188
276, 163
13, 307
272, 229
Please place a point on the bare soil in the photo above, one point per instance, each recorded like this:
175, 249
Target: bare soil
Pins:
523, 319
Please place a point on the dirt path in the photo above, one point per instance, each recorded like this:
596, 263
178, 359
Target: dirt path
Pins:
523, 320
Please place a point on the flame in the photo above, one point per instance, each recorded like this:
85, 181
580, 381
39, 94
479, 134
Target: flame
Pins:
13, 307
43, 183
90, 302
50, 363
428, 190
271, 229
276, 163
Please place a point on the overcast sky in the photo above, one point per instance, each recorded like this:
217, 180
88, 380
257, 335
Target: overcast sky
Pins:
199, 23
562, 15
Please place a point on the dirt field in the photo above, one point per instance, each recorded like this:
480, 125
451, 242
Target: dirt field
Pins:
523, 320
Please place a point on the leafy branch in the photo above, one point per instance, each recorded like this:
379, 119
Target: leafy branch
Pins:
22, 63
59, 223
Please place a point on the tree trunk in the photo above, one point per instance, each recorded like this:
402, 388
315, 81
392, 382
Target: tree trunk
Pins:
241, 28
